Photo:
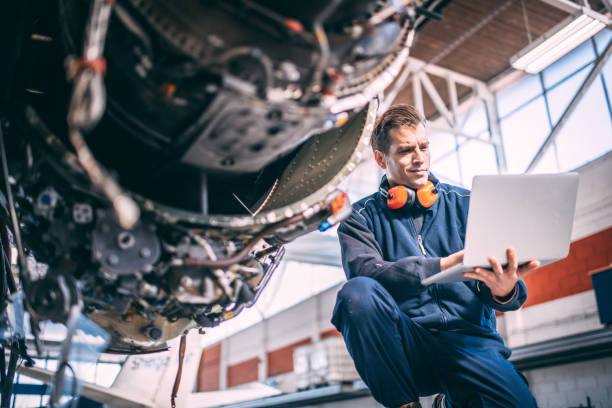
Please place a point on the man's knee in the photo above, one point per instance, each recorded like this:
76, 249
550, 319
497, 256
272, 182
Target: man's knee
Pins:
357, 295
361, 298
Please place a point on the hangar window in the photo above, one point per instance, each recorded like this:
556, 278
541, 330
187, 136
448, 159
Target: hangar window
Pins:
530, 108
523, 132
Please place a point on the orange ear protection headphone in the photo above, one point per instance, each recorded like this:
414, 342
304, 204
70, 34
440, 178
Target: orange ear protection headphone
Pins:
402, 196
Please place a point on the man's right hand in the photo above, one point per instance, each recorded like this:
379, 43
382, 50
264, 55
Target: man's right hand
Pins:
451, 260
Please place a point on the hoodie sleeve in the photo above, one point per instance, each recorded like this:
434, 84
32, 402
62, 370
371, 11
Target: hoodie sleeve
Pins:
519, 296
362, 256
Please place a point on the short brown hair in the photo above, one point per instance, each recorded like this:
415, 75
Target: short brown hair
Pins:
395, 117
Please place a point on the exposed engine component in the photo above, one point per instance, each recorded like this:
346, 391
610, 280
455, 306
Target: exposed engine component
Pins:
124, 252
193, 140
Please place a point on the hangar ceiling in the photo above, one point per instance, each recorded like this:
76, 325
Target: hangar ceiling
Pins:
476, 38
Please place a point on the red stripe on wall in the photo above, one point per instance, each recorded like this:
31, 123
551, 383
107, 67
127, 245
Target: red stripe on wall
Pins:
243, 372
330, 333
210, 366
280, 361
570, 276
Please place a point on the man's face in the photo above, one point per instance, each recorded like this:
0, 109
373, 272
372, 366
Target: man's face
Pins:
407, 161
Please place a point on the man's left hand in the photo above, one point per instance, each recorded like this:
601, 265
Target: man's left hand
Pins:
502, 281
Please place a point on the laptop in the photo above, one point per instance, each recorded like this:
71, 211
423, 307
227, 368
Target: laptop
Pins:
531, 213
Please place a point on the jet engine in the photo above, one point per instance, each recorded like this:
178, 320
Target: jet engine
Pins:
159, 154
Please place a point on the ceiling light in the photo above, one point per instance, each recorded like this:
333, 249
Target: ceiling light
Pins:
559, 40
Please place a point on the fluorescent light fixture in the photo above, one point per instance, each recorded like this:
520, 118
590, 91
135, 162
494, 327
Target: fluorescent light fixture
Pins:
559, 40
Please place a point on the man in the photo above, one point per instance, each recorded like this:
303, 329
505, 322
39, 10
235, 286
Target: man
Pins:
408, 340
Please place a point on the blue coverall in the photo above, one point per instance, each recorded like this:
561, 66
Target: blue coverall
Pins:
408, 340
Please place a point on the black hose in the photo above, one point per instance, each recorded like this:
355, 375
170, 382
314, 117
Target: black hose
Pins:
3, 286
16, 231
2, 372
6, 256
7, 389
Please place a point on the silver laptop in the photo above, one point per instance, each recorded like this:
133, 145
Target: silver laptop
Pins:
531, 213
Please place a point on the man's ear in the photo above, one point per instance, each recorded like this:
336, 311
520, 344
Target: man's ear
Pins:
379, 156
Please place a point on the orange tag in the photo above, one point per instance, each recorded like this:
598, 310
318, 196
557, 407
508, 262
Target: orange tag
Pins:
338, 203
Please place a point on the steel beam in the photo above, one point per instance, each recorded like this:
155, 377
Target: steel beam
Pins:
572, 8
495, 130
600, 62
420, 65
417, 94
452, 96
411, 71
435, 97
457, 132
564, 5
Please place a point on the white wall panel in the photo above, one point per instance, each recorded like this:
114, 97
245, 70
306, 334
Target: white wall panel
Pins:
245, 345
594, 204
569, 385
550, 320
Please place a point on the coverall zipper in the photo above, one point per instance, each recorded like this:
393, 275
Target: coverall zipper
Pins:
421, 245
434, 288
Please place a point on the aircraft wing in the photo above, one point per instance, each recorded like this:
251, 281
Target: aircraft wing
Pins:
110, 396
220, 398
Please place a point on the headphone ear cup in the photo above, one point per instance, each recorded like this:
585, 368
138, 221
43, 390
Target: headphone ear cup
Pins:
399, 197
427, 195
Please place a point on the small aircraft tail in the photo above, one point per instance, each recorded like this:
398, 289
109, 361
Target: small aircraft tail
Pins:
144, 380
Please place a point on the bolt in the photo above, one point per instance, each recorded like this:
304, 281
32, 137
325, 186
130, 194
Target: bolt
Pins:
112, 259
125, 240
154, 333
146, 268
145, 252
